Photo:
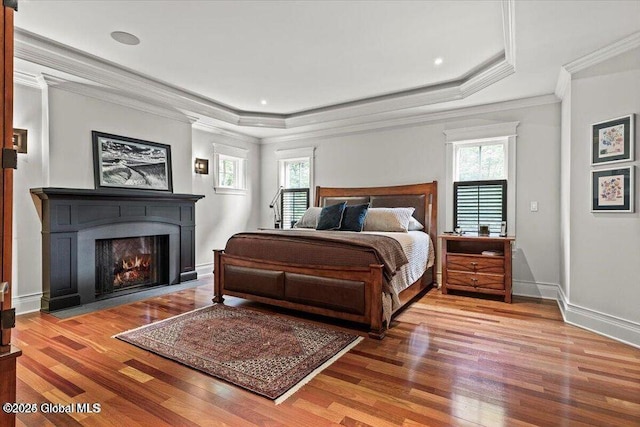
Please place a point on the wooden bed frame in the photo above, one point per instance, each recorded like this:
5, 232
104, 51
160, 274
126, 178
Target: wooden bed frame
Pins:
372, 275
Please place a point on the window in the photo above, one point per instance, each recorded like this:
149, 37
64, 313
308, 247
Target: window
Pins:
480, 161
296, 173
229, 172
479, 190
295, 176
481, 177
230, 169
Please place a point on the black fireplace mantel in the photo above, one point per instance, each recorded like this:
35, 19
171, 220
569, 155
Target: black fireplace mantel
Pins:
71, 217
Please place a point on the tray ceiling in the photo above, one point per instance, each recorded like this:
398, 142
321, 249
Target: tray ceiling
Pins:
322, 63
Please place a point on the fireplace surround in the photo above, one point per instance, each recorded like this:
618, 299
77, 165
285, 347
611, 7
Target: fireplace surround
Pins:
73, 220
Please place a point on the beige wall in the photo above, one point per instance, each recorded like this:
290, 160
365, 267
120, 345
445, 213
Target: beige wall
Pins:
605, 247
219, 216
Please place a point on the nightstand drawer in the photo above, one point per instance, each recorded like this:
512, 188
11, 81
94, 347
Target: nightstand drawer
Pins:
475, 264
485, 281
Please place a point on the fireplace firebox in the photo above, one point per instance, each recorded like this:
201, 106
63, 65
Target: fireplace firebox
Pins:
130, 263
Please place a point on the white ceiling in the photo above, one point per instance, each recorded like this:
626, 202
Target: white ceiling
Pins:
303, 55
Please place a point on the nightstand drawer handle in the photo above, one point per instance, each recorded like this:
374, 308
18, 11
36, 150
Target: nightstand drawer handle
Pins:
474, 265
475, 282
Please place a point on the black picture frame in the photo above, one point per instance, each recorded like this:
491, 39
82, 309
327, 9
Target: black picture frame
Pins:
123, 162
613, 141
612, 190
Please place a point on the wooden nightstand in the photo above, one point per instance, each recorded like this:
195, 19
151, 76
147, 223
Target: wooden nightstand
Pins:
466, 268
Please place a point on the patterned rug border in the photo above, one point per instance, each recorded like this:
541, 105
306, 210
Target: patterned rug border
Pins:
157, 322
292, 390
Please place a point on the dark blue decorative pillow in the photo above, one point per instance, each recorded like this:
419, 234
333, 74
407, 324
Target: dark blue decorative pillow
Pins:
331, 217
353, 218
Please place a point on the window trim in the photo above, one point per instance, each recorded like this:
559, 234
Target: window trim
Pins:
476, 134
296, 154
220, 152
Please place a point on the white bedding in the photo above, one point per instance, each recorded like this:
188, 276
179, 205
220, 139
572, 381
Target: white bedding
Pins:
418, 248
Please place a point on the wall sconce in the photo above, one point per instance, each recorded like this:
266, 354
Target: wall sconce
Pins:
20, 140
202, 166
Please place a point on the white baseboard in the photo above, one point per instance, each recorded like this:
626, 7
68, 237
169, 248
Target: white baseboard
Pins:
603, 324
600, 323
204, 270
27, 303
535, 289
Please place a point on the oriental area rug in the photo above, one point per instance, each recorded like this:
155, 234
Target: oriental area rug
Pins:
269, 355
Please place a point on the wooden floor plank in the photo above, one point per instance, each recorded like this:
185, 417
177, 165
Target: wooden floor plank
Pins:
447, 360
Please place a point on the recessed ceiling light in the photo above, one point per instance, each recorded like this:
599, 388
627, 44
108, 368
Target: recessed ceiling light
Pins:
125, 38
438, 61
263, 101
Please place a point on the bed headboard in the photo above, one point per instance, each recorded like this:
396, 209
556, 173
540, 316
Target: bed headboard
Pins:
423, 197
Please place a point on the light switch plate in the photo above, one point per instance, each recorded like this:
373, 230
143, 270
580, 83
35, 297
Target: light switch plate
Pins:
534, 206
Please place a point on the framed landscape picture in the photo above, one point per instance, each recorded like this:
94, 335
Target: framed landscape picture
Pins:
123, 162
612, 190
613, 140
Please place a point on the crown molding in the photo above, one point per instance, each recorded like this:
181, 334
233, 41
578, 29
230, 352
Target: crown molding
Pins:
486, 77
45, 52
614, 49
25, 79
205, 127
604, 53
383, 104
509, 30
416, 120
105, 94
564, 80
42, 51
263, 120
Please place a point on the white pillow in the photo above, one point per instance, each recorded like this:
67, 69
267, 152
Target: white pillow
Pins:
309, 218
388, 219
415, 225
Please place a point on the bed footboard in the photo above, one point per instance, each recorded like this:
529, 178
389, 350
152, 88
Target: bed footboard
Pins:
348, 293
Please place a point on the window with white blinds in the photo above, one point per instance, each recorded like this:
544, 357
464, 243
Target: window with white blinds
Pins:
293, 203
479, 203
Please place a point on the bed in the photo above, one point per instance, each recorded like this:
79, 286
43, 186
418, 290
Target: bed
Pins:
342, 275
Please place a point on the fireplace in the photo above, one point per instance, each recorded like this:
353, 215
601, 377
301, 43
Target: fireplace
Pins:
102, 243
126, 264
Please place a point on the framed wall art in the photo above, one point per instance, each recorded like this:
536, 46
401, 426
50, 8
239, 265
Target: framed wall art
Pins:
123, 162
613, 140
612, 190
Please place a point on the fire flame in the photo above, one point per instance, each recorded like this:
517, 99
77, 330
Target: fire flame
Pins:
134, 263
136, 270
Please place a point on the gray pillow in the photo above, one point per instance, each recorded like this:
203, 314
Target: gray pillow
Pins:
388, 219
309, 218
415, 225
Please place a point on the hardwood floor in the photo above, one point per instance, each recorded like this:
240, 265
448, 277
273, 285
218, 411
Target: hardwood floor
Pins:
447, 360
